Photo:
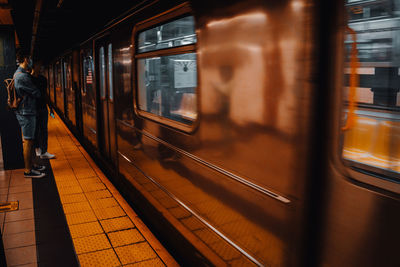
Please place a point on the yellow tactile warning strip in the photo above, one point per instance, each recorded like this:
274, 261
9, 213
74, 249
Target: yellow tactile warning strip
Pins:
104, 229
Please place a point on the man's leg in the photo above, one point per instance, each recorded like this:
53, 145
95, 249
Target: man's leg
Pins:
37, 137
28, 145
28, 125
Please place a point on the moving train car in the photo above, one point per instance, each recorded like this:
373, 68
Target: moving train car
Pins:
225, 125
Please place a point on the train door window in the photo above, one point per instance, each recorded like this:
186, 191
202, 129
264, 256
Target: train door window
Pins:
166, 65
110, 72
371, 117
67, 75
59, 88
102, 73
87, 73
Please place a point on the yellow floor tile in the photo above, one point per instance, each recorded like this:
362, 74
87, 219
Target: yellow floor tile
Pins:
91, 243
109, 213
76, 207
64, 178
98, 194
67, 183
73, 198
116, 224
90, 180
85, 229
135, 253
103, 203
125, 237
80, 217
104, 258
70, 190
93, 187
82, 173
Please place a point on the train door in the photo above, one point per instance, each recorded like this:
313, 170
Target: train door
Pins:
88, 97
65, 86
104, 74
76, 84
361, 227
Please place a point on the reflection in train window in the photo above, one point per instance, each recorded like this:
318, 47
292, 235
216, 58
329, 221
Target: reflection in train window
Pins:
102, 73
167, 78
176, 33
167, 86
371, 119
110, 72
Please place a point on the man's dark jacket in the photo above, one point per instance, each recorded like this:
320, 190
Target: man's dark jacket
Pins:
26, 89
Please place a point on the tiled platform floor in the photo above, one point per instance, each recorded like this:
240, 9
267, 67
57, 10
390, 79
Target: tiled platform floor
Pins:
18, 227
105, 231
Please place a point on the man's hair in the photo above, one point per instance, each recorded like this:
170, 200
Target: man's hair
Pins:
21, 55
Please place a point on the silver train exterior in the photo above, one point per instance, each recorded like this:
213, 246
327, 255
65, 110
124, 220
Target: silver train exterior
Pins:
237, 160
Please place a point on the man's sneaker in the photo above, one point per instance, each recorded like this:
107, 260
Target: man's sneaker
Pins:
34, 174
38, 151
47, 155
39, 168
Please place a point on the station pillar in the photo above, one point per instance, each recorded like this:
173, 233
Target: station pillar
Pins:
10, 131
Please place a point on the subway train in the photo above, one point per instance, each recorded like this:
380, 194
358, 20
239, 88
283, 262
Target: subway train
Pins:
223, 123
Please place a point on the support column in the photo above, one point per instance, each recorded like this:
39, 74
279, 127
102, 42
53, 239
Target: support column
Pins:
10, 131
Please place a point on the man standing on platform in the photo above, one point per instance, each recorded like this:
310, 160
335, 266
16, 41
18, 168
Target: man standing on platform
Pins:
26, 112
42, 118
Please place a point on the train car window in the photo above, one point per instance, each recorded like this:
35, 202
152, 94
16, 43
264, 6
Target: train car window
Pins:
102, 73
58, 76
87, 73
371, 117
58, 82
175, 33
110, 72
67, 75
167, 71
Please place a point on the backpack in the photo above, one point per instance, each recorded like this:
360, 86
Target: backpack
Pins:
13, 100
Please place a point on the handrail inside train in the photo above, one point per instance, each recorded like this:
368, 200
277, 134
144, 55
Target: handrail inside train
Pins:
354, 80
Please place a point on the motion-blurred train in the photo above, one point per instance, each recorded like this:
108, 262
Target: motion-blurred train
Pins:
223, 123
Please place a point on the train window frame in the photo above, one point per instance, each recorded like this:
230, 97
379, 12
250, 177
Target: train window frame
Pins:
372, 178
173, 14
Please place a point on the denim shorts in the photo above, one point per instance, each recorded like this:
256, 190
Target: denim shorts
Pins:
28, 125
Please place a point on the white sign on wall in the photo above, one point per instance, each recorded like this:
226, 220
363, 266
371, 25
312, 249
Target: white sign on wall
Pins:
185, 73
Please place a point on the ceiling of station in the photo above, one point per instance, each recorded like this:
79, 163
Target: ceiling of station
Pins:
60, 23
